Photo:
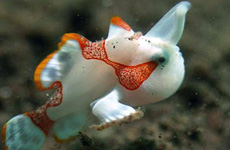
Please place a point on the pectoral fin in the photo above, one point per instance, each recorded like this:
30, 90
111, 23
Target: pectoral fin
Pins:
110, 111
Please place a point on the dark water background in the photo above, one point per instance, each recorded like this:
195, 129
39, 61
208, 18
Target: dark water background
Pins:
195, 118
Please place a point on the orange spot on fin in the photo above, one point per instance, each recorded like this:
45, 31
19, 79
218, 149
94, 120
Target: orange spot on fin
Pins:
119, 22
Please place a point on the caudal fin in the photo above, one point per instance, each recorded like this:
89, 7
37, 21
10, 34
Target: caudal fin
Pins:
20, 133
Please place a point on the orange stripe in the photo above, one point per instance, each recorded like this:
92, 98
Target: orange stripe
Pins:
4, 136
61, 141
119, 22
69, 36
39, 69
72, 36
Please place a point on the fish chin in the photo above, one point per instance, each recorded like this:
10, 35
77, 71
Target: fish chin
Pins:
162, 83
167, 78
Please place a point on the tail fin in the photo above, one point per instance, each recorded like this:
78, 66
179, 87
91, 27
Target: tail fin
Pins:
28, 131
20, 133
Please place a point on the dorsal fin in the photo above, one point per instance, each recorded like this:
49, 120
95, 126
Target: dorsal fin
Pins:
171, 26
118, 27
57, 65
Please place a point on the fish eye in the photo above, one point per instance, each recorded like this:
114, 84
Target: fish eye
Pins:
161, 59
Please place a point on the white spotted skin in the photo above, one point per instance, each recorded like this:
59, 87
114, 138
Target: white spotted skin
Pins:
120, 49
159, 42
94, 83
123, 50
87, 81
165, 79
162, 83
90, 80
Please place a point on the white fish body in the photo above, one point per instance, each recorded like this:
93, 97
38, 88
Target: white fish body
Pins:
111, 76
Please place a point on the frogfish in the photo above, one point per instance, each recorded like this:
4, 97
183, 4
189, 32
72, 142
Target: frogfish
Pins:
111, 77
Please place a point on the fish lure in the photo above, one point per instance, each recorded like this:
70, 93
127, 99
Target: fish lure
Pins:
111, 76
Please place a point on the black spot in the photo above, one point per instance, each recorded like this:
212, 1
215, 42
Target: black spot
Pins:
114, 46
161, 59
160, 136
85, 140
